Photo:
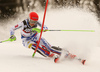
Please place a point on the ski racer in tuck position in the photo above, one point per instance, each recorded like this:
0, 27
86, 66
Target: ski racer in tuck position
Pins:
30, 38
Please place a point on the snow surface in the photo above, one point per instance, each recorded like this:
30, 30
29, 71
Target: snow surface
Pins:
16, 58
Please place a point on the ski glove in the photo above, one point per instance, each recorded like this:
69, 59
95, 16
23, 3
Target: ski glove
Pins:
13, 38
38, 30
45, 29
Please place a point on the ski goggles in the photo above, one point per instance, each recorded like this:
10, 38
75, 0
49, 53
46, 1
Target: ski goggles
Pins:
32, 21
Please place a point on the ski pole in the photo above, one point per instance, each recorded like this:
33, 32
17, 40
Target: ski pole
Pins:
5, 41
8, 40
75, 30
39, 30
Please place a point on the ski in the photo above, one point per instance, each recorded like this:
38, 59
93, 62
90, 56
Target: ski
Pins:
81, 60
56, 59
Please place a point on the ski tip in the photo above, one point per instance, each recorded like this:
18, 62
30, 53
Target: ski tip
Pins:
56, 60
83, 62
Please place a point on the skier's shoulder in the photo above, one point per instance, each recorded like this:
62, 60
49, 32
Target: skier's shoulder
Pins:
25, 21
22, 22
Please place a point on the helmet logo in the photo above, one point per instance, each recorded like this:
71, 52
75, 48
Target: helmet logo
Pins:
34, 18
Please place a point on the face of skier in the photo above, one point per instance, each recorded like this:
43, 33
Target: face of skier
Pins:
32, 22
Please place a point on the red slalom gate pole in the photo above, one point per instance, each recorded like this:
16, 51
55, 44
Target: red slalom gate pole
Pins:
41, 28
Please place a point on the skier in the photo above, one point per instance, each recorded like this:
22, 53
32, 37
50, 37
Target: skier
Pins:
30, 37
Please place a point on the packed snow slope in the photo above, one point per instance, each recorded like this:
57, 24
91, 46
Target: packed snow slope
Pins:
16, 58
